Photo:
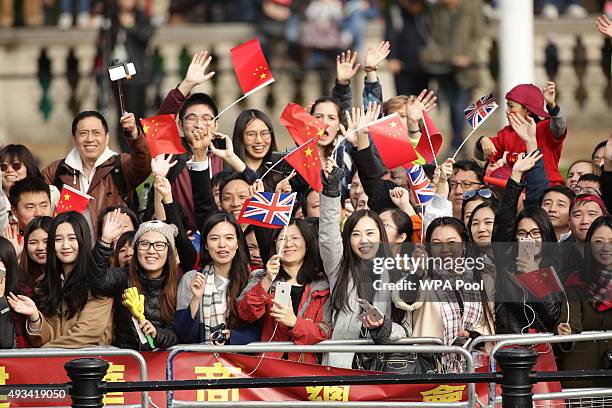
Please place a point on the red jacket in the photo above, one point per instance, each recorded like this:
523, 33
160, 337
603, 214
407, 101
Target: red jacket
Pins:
312, 326
550, 146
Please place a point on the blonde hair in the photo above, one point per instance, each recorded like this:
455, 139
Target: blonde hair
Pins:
394, 104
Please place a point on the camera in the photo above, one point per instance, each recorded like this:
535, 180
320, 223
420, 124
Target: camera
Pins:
216, 334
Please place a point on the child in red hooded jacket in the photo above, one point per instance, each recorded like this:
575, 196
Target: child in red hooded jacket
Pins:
525, 108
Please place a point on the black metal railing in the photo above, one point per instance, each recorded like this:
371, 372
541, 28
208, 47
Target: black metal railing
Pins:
516, 379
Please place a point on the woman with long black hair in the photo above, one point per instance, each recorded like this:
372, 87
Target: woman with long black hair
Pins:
515, 310
12, 324
207, 300
304, 320
63, 312
153, 271
589, 295
34, 256
348, 260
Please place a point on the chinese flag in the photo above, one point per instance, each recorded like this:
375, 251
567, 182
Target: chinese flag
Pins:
72, 199
162, 136
301, 125
306, 161
541, 282
392, 142
430, 130
251, 66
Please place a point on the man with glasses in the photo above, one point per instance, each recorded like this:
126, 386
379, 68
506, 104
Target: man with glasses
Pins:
197, 114
93, 168
467, 176
588, 184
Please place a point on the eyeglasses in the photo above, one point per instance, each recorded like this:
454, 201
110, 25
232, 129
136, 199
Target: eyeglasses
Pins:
483, 193
534, 233
16, 165
145, 245
387, 225
466, 185
264, 134
586, 190
193, 119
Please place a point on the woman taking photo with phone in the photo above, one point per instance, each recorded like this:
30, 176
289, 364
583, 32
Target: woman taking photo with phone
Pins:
64, 313
299, 317
153, 271
523, 244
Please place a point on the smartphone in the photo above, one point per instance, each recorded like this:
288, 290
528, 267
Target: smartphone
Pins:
526, 249
370, 311
282, 293
118, 71
219, 143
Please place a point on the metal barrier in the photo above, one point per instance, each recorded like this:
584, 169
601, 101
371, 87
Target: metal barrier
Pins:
320, 348
85, 352
410, 340
524, 340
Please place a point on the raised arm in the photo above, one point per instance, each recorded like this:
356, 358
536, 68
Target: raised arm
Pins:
558, 125
330, 239
136, 166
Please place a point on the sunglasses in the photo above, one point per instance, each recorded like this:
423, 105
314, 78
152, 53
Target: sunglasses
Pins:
16, 165
483, 193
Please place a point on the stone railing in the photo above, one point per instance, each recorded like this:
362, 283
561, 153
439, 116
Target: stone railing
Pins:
46, 76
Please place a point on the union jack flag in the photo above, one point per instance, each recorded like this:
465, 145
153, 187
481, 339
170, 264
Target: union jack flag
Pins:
270, 210
420, 188
480, 110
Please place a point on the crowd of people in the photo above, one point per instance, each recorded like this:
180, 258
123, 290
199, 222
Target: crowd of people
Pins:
208, 279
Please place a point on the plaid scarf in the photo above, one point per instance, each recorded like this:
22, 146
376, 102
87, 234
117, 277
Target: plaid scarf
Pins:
461, 310
600, 292
211, 311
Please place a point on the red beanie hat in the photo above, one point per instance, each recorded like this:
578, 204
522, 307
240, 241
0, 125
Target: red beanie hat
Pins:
531, 97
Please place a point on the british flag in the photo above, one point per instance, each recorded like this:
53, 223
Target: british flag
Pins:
270, 210
420, 187
480, 110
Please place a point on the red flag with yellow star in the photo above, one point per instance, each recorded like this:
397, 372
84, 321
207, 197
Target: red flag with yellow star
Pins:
72, 199
251, 67
435, 137
306, 161
392, 142
301, 125
162, 136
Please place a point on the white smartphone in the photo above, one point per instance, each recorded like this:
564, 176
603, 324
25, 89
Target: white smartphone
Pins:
282, 293
370, 311
118, 72
526, 249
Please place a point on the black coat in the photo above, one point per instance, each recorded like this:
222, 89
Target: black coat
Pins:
511, 314
106, 281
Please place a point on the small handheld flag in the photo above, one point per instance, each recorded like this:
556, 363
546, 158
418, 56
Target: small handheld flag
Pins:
430, 142
392, 142
162, 135
306, 161
301, 125
480, 110
541, 282
269, 210
420, 187
251, 67
72, 199
477, 113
